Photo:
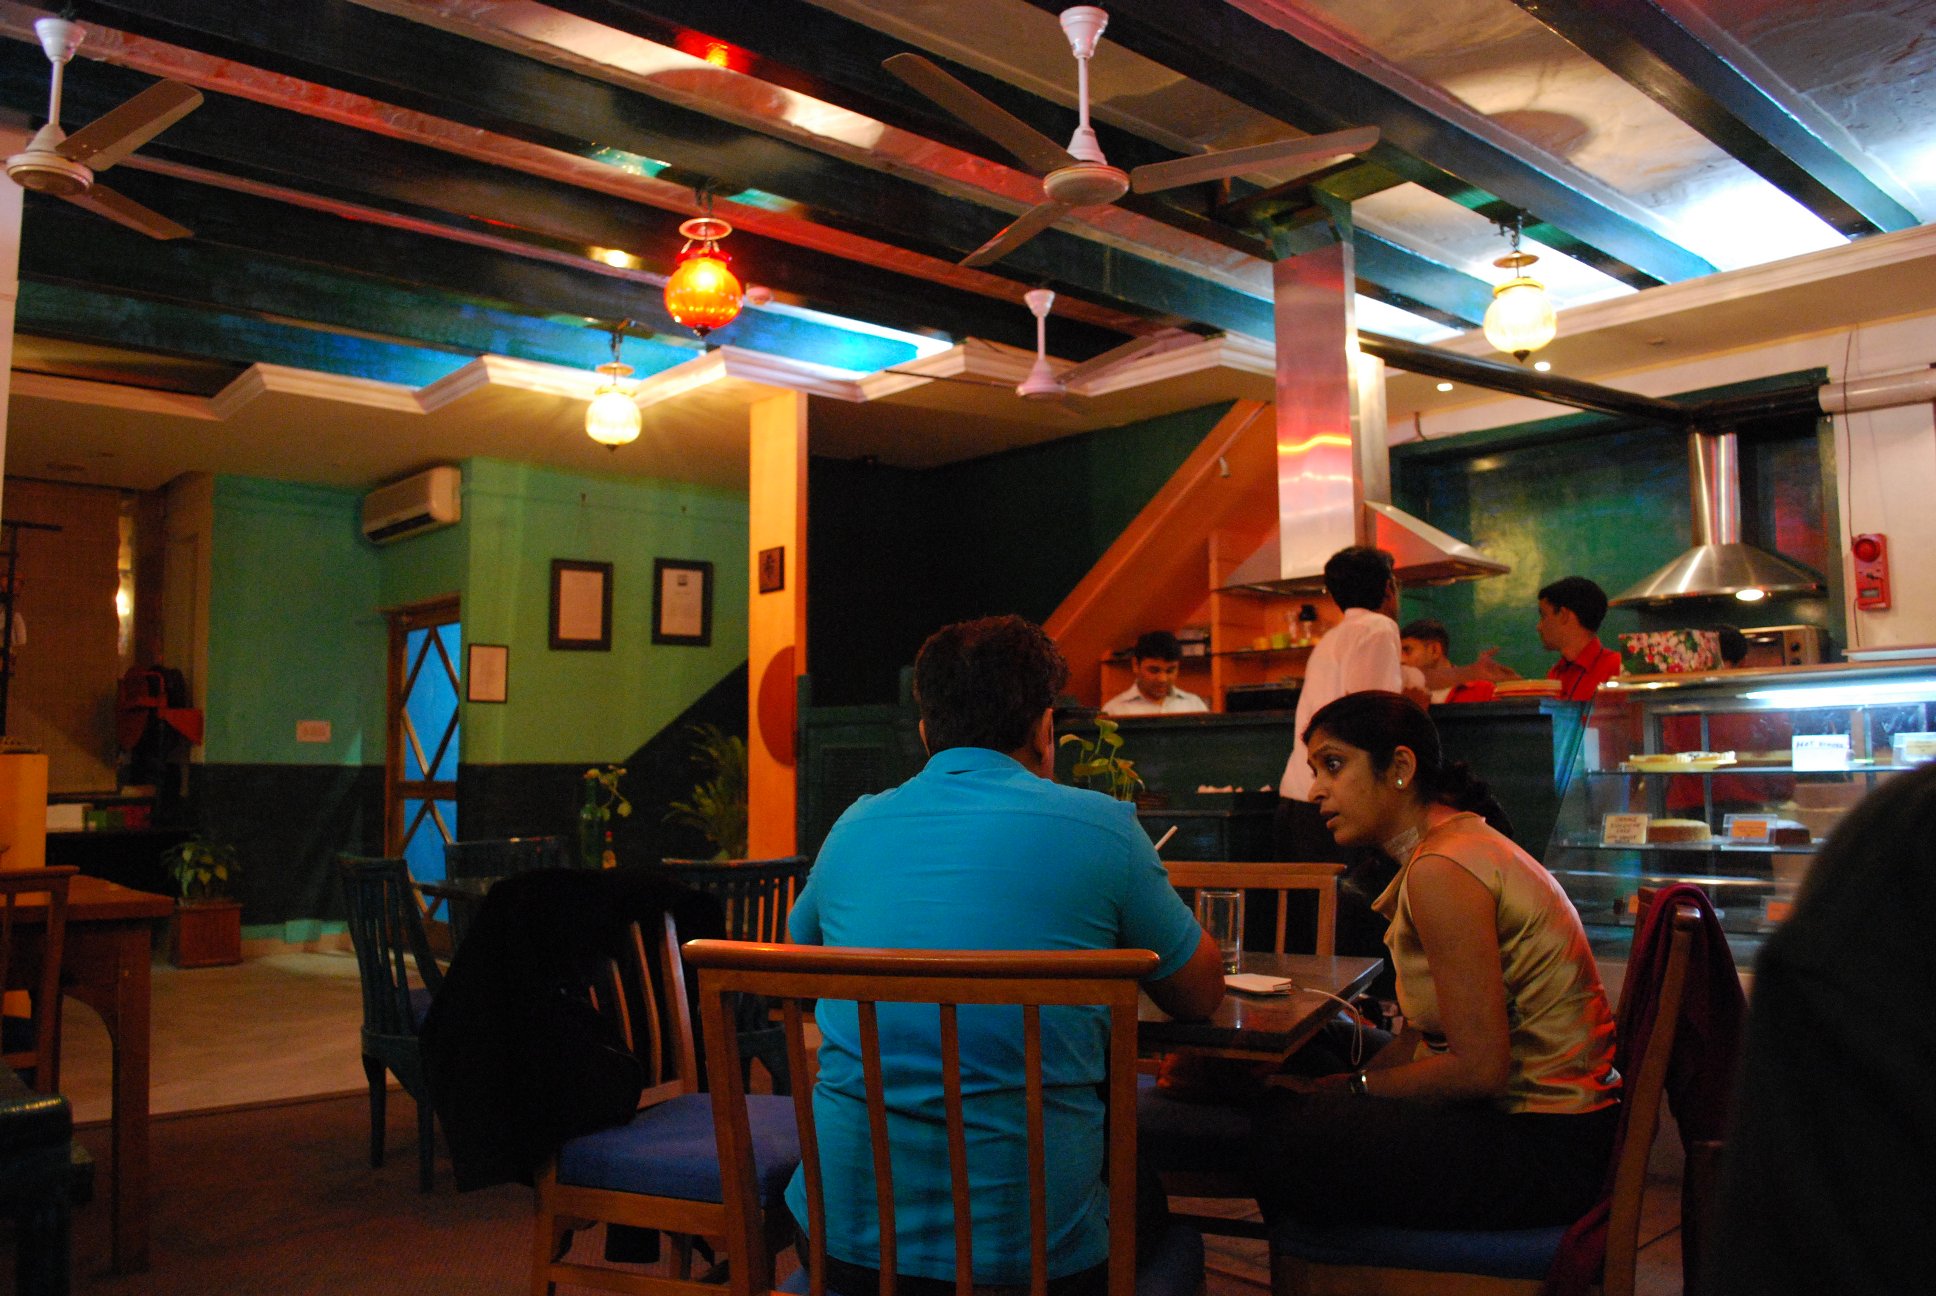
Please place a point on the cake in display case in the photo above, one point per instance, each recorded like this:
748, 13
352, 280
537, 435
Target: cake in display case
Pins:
1730, 780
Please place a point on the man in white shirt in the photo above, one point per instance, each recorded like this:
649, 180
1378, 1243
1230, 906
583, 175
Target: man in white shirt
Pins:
1357, 654
1156, 658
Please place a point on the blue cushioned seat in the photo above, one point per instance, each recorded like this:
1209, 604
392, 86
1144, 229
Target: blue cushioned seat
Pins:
669, 1150
1172, 1267
1507, 1253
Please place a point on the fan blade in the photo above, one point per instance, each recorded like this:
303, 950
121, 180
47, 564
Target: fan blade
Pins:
1153, 344
953, 378
106, 140
1310, 153
1025, 227
103, 201
1035, 149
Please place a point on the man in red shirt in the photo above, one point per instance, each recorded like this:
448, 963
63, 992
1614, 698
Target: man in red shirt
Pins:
1570, 612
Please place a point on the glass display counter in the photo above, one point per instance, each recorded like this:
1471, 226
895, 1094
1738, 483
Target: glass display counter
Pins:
1729, 780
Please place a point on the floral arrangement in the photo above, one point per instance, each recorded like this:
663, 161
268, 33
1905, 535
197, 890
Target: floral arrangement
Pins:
1669, 651
602, 799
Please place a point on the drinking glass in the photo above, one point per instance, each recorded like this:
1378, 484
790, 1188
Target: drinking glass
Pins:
1221, 913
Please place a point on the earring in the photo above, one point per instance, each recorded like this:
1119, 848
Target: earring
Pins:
1401, 782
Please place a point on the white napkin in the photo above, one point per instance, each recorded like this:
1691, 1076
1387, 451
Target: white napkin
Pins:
1258, 983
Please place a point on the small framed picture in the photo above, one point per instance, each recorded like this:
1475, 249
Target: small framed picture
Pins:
487, 672
581, 605
773, 569
682, 602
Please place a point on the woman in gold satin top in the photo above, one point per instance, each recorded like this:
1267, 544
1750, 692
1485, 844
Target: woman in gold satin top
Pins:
1496, 1107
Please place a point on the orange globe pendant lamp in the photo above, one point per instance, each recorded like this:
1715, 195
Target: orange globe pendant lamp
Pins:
703, 293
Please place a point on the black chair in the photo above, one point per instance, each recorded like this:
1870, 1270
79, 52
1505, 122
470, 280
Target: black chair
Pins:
43, 1177
757, 894
386, 927
503, 856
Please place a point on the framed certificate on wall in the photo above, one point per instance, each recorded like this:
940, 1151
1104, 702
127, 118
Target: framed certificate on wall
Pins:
581, 605
682, 602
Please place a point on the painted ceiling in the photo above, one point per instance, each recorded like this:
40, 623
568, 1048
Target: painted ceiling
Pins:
414, 220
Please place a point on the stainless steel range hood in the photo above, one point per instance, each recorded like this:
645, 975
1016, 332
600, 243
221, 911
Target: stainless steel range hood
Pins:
1423, 555
1719, 565
1333, 468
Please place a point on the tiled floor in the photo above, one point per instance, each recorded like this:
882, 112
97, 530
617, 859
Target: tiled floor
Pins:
285, 1026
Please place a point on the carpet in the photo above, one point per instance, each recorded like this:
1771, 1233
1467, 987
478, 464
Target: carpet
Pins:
281, 1201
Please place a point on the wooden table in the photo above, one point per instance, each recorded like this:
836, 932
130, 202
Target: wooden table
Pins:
105, 966
1262, 1027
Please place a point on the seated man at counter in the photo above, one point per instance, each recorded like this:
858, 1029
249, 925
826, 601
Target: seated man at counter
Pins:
983, 850
1156, 659
1425, 646
1570, 612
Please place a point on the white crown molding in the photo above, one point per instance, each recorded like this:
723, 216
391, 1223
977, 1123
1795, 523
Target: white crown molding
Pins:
138, 400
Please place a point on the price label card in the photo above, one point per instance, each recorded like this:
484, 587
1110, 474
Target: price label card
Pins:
1750, 828
1821, 751
1913, 748
1624, 829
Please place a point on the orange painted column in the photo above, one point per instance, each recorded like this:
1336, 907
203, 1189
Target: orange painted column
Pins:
776, 618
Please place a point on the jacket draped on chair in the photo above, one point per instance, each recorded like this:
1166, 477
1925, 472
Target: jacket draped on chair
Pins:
518, 1058
1700, 1071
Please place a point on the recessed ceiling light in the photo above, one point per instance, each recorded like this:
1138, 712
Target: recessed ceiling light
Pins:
616, 258
1543, 366
1445, 386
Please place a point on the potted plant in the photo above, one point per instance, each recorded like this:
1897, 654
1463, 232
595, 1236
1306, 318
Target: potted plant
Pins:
717, 806
1100, 760
208, 919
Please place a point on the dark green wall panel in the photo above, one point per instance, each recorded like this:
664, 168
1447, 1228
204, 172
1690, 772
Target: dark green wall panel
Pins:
896, 553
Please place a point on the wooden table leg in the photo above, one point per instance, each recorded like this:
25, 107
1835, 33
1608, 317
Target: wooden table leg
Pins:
107, 969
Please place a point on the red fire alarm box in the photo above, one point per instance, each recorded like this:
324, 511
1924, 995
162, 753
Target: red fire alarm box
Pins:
1871, 553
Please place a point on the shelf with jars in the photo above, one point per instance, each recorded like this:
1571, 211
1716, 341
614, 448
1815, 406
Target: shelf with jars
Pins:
1730, 780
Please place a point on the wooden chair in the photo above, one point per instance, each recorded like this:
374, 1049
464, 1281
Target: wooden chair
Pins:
386, 929
1279, 878
796, 975
661, 1171
30, 1043
1376, 1261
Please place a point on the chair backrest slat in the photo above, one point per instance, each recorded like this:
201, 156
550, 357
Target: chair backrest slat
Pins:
794, 1020
40, 980
791, 976
1281, 878
1038, 1173
870, 1065
958, 1190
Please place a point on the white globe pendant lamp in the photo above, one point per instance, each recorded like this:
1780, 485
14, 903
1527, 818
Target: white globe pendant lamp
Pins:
612, 419
1520, 319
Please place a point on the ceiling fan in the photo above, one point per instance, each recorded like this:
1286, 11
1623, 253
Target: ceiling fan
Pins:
64, 165
1080, 176
1044, 383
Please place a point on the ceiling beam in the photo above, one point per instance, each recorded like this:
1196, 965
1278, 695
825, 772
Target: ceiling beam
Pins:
392, 61
286, 150
1255, 63
1648, 50
1401, 277
435, 312
1496, 376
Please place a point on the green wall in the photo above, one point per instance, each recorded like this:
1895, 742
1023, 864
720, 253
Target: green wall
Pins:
1590, 496
569, 706
294, 632
897, 552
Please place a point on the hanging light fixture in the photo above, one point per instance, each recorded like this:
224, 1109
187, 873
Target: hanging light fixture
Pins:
612, 419
703, 293
1520, 320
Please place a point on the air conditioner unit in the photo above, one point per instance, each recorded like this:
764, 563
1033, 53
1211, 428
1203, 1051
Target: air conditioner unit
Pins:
403, 508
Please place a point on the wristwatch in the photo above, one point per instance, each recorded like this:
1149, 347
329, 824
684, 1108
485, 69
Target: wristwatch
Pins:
1359, 1084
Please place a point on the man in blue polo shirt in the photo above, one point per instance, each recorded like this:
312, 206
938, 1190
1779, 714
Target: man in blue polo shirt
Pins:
982, 850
